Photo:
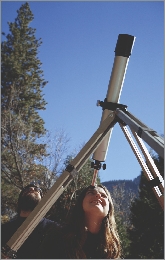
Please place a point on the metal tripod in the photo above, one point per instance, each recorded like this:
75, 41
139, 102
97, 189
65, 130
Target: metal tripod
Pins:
139, 130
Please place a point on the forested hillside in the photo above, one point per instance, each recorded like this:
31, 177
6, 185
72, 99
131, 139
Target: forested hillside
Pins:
123, 193
129, 184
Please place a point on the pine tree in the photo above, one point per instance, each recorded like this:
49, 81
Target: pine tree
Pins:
21, 98
123, 235
122, 198
147, 219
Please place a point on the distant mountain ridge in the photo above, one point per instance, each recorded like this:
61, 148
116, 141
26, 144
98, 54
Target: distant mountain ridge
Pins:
123, 193
129, 184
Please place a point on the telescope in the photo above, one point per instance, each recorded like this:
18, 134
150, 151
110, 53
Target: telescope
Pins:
123, 50
113, 113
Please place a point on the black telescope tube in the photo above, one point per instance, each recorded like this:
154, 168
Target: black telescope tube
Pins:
124, 45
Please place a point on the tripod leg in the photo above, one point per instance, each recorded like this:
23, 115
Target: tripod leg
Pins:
149, 160
144, 166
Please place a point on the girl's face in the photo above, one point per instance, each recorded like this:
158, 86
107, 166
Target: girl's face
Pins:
96, 202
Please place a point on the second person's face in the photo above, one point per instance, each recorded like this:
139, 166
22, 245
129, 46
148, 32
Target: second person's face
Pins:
96, 202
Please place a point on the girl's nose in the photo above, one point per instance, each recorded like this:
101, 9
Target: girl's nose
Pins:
31, 188
98, 195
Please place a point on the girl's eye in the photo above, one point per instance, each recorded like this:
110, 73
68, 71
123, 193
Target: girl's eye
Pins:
103, 195
93, 192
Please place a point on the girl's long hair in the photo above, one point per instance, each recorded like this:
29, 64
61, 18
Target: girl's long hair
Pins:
75, 232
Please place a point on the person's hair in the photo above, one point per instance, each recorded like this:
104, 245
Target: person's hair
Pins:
76, 234
21, 193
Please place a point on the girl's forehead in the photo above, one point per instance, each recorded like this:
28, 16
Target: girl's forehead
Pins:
98, 189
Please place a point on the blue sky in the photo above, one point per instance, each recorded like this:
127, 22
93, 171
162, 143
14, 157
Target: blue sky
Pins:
77, 53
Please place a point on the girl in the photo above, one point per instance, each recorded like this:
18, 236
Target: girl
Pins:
90, 231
